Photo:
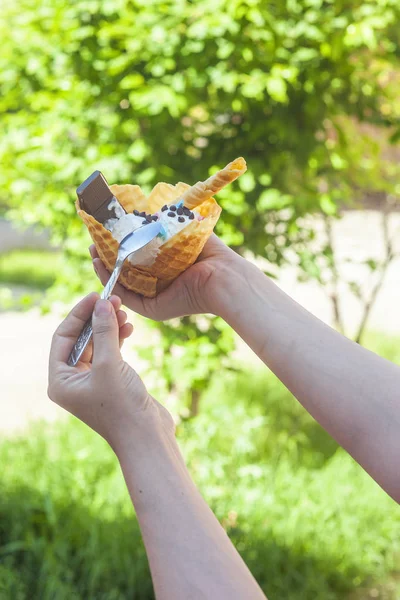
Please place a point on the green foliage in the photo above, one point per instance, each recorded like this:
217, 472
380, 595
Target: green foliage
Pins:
306, 519
30, 268
189, 352
171, 90
389, 347
10, 583
218, 79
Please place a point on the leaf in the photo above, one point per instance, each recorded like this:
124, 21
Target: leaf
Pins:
265, 179
337, 161
372, 264
328, 205
395, 137
276, 88
355, 288
129, 82
247, 182
273, 199
138, 150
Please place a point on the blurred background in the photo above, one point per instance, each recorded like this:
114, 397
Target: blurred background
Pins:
308, 91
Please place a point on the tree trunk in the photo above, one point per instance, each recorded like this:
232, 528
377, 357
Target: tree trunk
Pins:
194, 403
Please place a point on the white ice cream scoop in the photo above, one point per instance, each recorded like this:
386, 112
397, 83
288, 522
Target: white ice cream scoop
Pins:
131, 243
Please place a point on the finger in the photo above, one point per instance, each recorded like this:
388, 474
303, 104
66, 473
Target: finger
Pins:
116, 302
88, 352
121, 318
124, 333
93, 251
105, 335
67, 333
101, 270
213, 247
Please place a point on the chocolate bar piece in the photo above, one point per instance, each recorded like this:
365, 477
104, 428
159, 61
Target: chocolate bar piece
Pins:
96, 198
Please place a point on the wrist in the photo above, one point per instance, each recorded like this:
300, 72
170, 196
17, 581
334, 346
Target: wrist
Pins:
227, 285
141, 430
151, 463
134, 443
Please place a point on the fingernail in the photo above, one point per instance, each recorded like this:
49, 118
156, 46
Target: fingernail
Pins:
103, 307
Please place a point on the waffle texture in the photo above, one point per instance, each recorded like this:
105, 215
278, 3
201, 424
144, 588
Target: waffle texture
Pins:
181, 250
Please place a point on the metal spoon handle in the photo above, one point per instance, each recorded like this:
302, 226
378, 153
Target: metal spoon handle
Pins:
110, 285
87, 331
81, 343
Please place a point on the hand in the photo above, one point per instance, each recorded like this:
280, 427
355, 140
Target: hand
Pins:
102, 390
193, 292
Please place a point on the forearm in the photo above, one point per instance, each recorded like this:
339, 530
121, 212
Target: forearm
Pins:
189, 553
353, 393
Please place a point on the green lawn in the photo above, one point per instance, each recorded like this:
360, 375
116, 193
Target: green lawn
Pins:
29, 268
307, 520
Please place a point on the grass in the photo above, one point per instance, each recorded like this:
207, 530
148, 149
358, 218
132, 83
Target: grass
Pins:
308, 521
29, 268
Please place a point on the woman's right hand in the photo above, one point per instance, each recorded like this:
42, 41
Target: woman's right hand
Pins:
194, 292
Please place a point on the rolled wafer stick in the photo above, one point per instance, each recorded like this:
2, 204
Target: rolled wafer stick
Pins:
203, 190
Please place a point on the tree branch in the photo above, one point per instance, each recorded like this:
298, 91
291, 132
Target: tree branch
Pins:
389, 256
334, 295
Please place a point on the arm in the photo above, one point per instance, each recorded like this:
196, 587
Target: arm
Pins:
351, 392
189, 553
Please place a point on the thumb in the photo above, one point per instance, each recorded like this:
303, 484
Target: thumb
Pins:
105, 334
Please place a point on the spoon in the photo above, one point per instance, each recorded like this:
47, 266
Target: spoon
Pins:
131, 243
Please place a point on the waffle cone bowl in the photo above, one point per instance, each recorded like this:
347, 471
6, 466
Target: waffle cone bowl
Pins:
181, 250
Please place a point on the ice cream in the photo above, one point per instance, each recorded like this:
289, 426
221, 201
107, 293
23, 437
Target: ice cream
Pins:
188, 214
173, 218
116, 209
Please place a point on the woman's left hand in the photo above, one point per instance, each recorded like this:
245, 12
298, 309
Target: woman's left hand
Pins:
102, 390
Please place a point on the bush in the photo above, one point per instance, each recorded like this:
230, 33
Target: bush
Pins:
171, 90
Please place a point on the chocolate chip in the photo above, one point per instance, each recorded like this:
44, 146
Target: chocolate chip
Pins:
136, 212
191, 216
142, 214
145, 222
171, 214
181, 219
172, 207
180, 211
148, 218
154, 217
186, 211
165, 207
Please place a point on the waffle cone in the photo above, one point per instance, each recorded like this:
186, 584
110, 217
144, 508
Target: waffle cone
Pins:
181, 250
